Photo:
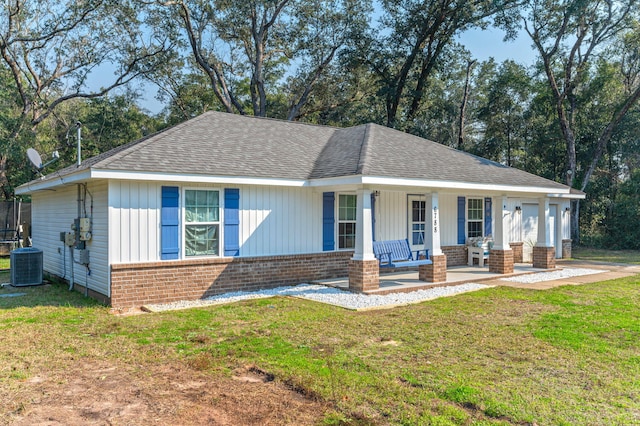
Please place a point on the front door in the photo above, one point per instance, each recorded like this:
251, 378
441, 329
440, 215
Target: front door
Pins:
416, 221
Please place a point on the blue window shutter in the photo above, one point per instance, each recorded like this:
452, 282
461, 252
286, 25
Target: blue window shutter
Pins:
231, 222
487, 217
461, 220
169, 223
328, 221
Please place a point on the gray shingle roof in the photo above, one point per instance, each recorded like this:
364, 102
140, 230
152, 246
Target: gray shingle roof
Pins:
221, 144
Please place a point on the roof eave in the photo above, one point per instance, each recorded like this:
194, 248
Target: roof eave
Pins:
51, 181
444, 185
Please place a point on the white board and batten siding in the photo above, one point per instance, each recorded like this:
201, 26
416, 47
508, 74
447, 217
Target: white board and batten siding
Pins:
134, 221
280, 220
528, 230
273, 220
53, 212
392, 215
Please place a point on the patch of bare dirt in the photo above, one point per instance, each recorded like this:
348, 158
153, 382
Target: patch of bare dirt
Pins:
95, 393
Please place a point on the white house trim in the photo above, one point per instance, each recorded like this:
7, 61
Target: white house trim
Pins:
435, 184
53, 181
195, 178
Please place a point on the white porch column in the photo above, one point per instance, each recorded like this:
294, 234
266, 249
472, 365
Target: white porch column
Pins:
544, 225
544, 254
502, 223
364, 234
432, 225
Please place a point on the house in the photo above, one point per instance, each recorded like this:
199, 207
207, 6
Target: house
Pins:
225, 202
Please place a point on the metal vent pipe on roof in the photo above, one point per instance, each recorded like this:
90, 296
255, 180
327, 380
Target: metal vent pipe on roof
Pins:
79, 126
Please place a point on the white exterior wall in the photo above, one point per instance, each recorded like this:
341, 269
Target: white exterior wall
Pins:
280, 220
449, 219
515, 230
392, 216
273, 220
565, 222
134, 221
53, 212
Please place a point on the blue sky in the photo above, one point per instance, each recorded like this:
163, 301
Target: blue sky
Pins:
484, 44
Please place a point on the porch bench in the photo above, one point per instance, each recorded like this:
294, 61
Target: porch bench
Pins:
398, 254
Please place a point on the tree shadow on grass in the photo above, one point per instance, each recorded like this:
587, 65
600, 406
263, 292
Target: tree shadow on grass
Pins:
46, 294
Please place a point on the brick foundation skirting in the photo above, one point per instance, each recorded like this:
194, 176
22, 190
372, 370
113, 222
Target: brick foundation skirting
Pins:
566, 249
364, 275
544, 257
136, 284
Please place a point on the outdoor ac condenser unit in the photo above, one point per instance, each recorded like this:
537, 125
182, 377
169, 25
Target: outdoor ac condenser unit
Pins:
26, 266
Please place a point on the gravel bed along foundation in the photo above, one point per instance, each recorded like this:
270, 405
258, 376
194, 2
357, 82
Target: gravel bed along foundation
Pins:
359, 301
323, 294
551, 276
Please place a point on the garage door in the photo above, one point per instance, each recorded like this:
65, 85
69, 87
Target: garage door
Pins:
529, 231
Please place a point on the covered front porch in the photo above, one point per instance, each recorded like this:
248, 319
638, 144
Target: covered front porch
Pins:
409, 280
365, 274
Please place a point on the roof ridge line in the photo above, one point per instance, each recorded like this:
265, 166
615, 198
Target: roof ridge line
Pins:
364, 148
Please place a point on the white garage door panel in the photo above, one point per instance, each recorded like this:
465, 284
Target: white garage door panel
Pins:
529, 230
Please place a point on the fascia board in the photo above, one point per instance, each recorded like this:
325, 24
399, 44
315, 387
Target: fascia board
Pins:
52, 181
569, 196
434, 184
195, 178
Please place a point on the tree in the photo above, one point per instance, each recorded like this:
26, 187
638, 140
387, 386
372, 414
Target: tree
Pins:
404, 53
569, 36
507, 96
246, 48
53, 48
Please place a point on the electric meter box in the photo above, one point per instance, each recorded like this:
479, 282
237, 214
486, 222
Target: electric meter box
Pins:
85, 224
69, 239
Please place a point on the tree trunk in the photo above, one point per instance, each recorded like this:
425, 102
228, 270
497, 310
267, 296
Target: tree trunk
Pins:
463, 105
575, 229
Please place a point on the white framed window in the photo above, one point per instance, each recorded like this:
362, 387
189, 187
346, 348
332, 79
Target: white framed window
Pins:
347, 208
202, 223
475, 217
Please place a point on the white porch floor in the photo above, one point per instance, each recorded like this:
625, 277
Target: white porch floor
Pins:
407, 281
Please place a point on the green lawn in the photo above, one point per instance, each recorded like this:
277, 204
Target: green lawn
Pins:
565, 356
601, 255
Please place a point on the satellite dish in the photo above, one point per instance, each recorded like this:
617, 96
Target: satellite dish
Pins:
35, 158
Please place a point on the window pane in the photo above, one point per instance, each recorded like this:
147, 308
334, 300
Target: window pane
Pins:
347, 207
201, 240
346, 235
190, 198
202, 206
417, 211
474, 229
418, 238
475, 210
